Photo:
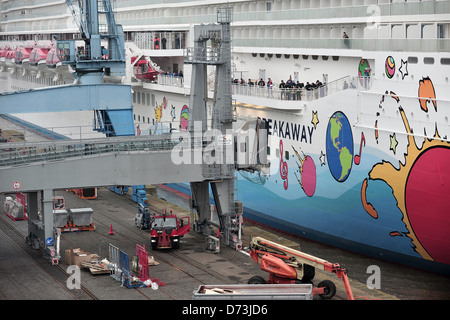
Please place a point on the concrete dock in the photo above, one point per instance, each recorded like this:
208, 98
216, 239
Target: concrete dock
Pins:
26, 275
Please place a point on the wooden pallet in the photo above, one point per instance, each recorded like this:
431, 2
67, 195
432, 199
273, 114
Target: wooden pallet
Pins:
95, 267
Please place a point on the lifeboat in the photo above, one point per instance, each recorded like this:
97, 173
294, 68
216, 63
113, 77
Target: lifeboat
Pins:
52, 60
22, 54
9, 57
3, 52
143, 69
38, 55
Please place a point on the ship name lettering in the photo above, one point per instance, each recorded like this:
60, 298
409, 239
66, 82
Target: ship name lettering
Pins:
289, 130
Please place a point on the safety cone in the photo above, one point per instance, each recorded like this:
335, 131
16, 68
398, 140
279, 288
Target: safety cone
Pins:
111, 232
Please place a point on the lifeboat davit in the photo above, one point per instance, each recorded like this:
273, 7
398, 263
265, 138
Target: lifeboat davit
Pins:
22, 54
39, 55
143, 70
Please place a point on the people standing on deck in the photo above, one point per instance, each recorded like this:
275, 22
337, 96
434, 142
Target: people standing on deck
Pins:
282, 88
289, 88
156, 42
261, 83
299, 87
346, 40
269, 88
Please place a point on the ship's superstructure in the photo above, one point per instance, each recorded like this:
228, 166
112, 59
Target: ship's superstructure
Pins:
355, 94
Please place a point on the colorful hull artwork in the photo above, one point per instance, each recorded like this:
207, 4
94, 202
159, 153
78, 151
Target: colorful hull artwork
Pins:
361, 179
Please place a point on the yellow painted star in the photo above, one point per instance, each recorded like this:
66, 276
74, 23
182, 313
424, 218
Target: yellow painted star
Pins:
394, 143
315, 119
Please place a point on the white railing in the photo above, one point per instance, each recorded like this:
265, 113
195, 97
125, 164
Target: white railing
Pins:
294, 93
170, 80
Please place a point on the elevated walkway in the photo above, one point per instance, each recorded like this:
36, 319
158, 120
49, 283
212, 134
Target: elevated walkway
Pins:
97, 162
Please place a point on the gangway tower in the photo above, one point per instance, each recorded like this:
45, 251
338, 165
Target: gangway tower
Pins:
212, 47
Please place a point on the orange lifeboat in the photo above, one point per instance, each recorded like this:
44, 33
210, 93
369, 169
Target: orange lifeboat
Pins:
143, 70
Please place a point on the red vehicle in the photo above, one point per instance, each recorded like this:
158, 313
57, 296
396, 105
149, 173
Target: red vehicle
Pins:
287, 266
166, 230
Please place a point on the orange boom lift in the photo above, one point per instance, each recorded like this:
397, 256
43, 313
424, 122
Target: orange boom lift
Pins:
286, 265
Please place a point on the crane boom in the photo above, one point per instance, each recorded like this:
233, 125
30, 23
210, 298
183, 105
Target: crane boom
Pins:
273, 257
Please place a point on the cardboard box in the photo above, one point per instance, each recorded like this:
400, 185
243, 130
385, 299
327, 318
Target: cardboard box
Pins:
76, 256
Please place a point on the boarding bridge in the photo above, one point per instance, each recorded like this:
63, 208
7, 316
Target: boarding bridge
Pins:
38, 168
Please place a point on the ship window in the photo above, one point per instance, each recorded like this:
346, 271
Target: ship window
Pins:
262, 55
268, 150
134, 117
286, 155
139, 118
134, 97
445, 60
254, 55
412, 60
268, 6
305, 57
277, 153
143, 98
428, 60
296, 56
325, 58
278, 55
270, 55
287, 56
139, 97
335, 58
148, 99
315, 57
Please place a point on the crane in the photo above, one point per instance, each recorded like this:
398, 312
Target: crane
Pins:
287, 265
103, 51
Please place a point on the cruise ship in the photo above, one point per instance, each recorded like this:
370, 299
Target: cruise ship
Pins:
355, 94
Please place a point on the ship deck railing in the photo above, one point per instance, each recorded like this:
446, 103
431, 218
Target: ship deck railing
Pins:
277, 93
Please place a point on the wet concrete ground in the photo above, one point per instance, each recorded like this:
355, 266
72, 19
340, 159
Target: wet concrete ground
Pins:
25, 274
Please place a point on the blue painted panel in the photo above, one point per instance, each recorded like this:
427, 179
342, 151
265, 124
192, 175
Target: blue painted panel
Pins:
67, 98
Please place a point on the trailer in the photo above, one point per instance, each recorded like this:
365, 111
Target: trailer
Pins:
254, 292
